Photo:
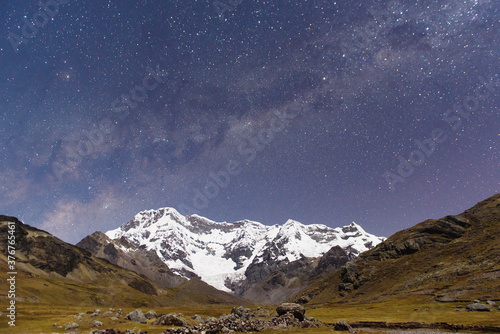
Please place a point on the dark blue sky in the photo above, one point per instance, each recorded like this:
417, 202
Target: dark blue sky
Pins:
382, 113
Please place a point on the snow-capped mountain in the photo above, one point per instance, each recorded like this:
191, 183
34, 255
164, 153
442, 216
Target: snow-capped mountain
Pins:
221, 253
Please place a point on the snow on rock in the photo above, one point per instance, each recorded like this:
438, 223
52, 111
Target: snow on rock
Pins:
220, 252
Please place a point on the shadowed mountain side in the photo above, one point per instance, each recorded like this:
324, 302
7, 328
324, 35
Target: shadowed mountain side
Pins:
137, 259
453, 258
54, 272
289, 278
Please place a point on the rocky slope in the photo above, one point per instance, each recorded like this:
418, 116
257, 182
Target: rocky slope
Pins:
289, 278
124, 254
57, 273
244, 253
451, 259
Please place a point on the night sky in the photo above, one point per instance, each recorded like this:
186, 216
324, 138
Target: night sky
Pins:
382, 113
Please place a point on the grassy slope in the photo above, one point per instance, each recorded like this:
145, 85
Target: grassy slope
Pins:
54, 276
465, 268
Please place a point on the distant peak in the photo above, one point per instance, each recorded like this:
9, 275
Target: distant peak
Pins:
291, 222
353, 227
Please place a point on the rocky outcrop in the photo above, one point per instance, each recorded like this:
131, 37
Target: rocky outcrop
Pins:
244, 320
332, 260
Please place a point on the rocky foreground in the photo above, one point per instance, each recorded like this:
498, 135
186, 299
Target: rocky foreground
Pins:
287, 317
241, 319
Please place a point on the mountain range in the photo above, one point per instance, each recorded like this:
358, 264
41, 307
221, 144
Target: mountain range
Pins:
244, 252
454, 258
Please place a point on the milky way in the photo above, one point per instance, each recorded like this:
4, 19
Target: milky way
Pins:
382, 113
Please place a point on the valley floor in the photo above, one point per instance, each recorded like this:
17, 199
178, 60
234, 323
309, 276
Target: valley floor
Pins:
37, 318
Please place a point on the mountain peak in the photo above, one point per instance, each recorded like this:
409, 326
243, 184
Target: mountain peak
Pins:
290, 223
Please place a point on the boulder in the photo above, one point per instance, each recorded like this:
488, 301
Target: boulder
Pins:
297, 310
151, 315
342, 325
307, 323
96, 323
171, 319
71, 326
136, 316
478, 307
197, 318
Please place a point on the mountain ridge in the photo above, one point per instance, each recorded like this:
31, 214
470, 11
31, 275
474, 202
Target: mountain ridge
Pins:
454, 258
191, 246
54, 272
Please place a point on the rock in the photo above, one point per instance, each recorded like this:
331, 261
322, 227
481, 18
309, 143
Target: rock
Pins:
151, 315
242, 312
114, 319
229, 317
342, 325
197, 318
96, 323
297, 310
209, 320
107, 313
304, 299
285, 320
478, 307
262, 313
309, 324
136, 316
71, 326
226, 330
490, 302
169, 319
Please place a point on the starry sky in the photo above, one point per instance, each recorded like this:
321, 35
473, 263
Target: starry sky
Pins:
385, 113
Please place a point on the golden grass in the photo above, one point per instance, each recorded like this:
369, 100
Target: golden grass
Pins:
38, 318
403, 310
